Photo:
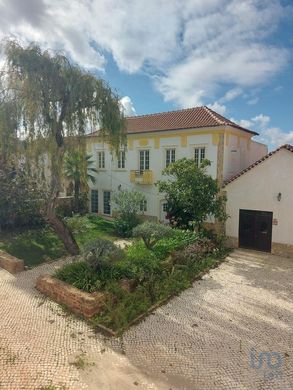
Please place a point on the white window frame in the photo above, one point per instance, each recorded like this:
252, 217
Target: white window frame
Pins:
202, 155
170, 156
146, 157
109, 205
143, 206
101, 157
97, 201
121, 160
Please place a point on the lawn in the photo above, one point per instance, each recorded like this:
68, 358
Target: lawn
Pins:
36, 246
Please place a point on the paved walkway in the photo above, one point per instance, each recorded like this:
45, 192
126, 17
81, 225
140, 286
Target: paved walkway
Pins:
209, 337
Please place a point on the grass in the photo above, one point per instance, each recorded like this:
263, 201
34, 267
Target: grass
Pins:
36, 246
33, 246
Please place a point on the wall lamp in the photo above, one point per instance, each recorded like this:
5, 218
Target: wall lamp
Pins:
279, 196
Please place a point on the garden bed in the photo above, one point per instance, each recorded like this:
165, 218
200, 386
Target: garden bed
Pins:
11, 263
136, 280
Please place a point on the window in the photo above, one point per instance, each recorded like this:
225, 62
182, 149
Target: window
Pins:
107, 202
143, 206
94, 201
170, 156
165, 208
144, 160
121, 159
101, 160
199, 155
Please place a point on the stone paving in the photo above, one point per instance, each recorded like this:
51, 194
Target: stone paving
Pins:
209, 337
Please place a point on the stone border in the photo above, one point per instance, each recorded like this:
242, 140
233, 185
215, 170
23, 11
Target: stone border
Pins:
80, 302
10, 263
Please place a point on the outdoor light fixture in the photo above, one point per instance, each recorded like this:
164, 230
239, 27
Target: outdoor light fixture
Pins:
279, 196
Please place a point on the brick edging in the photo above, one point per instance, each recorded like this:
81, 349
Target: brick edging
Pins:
80, 302
10, 263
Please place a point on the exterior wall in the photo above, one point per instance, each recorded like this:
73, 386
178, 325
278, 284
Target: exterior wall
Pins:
218, 141
111, 178
258, 189
240, 152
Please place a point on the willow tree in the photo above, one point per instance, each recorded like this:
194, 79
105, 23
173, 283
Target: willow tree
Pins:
57, 102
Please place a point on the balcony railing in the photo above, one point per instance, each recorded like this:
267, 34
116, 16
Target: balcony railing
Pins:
142, 177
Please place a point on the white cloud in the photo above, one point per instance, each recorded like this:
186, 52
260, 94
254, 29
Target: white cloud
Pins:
219, 108
127, 106
190, 50
261, 120
271, 136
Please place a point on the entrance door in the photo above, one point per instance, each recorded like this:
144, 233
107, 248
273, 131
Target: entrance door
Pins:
255, 229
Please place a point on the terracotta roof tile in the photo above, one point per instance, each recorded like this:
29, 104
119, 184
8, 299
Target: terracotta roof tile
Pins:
189, 118
287, 147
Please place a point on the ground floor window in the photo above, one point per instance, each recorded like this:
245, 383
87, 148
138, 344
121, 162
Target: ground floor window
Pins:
107, 202
94, 201
143, 206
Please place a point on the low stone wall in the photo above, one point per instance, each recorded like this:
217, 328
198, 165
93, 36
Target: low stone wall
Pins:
11, 263
78, 301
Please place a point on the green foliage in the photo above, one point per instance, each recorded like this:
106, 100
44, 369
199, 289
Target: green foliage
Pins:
33, 246
180, 240
141, 263
78, 224
79, 275
101, 254
194, 252
20, 199
191, 193
127, 205
78, 170
152, 232
55, 100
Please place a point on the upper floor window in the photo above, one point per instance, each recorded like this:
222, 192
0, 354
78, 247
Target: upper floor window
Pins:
101, 159
170, 156
121, 159
144, 160
199, 155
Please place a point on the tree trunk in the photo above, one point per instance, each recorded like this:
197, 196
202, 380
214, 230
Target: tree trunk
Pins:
62, 232
50, 213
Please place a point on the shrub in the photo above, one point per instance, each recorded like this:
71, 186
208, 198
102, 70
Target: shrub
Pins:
79, 275
179, 240
99, 254
152, 232
127, 205
124, 225
194, 253
78, 225
141, 262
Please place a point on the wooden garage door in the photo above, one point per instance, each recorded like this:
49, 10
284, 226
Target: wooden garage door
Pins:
255, 229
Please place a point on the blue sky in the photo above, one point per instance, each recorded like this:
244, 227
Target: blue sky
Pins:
232, 55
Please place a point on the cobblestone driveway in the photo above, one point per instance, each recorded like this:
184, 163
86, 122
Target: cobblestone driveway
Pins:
207, 338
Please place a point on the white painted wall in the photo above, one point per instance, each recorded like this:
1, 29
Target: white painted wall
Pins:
258, 189
240, 152
111, 178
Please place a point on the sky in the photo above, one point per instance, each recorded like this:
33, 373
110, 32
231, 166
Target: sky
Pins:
234, 56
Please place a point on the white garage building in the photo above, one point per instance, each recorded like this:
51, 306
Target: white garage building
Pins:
260, 204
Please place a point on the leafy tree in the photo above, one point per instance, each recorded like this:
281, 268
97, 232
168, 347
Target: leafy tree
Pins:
191, 193
127, 204
56, 102
20, 199
79, 170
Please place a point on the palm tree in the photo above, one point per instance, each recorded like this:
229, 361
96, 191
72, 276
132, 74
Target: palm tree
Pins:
79, 170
